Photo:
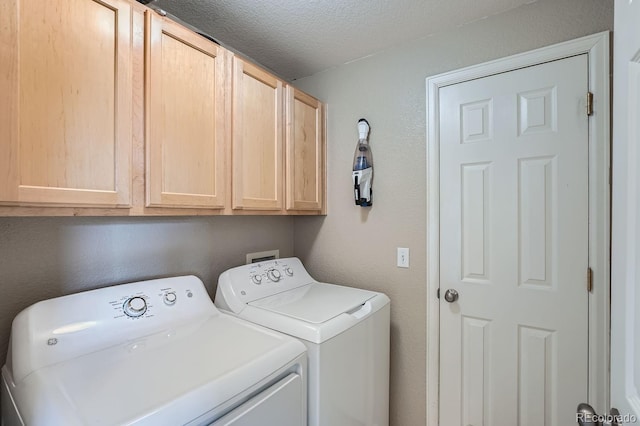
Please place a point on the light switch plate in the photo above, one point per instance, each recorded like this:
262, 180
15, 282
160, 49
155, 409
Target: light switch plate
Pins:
403, 257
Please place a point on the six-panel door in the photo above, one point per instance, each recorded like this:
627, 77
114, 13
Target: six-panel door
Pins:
514, 244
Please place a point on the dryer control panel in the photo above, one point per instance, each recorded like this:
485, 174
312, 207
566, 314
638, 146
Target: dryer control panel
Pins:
246, 283
66, 327
148, 301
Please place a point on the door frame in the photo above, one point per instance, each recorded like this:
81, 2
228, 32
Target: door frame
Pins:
597, 48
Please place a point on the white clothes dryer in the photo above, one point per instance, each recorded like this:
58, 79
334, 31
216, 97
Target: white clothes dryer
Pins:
345, 330
149, 353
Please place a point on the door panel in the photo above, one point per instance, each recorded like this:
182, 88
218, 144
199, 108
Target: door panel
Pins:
304, 151
258, 172
66, 133
514, 244
281, 404
186, 118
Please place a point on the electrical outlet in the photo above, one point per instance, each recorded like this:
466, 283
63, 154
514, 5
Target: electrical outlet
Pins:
403, 257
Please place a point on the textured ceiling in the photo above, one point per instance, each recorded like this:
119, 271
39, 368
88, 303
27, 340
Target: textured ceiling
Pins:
298, 38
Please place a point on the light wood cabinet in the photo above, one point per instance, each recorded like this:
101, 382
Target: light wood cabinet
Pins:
305, 152
278, 144
186, 116
107, 108
257, 138
66, 107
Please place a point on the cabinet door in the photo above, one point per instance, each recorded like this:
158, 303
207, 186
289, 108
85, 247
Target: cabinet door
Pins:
257, 138
65, 108
305, 144
185, 117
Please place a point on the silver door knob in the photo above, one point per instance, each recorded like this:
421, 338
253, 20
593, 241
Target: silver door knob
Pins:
451, 295
587, 416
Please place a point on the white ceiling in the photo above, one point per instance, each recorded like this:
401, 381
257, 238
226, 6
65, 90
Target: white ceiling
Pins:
298, 38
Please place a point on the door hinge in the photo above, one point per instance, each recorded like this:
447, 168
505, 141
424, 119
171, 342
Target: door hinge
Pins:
589, 280
589, 103
438, 294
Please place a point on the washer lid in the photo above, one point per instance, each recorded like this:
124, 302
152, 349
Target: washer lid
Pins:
316, 302
165, 378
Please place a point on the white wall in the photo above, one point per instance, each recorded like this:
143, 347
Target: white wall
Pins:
357, 246
625, 221
41, 258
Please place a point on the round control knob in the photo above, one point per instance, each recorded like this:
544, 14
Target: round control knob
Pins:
274, 275
135, 306
257, 279
170, 298
288, 271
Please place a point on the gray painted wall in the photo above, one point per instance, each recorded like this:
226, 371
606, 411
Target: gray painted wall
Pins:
41, 258
358, 246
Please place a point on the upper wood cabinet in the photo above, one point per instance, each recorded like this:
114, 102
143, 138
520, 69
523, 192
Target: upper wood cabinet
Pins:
65, 103
107, 108
257, 138
185, 126
305, 152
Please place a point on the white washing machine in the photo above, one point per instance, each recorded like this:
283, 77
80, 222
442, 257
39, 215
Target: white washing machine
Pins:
149, 353
346, 331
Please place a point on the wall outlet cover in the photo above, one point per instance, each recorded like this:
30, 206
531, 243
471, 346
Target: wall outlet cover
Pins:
261, 256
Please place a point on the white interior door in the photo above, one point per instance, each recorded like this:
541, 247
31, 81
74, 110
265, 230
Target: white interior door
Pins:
625, 248
514, 241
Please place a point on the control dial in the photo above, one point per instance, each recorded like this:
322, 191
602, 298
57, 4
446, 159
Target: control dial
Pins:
257, 279
288, 271
274, 275
170, 298
135, 306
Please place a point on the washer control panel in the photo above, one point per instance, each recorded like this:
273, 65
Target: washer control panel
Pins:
261, 273
254, 281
